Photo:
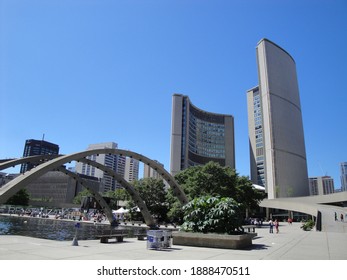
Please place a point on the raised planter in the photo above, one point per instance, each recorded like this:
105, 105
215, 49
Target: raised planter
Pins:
213, 240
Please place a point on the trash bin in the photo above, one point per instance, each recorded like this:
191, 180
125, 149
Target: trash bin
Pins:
166, 243
158, 239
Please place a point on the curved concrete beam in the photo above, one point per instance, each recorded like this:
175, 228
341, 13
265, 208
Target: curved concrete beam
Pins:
129, 188
105, 207
31, 159
19, 182
179, 193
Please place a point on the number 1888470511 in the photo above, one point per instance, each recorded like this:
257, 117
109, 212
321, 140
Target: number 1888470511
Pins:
220, 270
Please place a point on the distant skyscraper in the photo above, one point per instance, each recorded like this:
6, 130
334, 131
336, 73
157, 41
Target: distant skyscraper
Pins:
37, 147
343, 175
198, 137
149, 172
131, 169
276, 135
321, 185
114, 162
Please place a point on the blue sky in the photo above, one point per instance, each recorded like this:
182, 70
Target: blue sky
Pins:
92, 71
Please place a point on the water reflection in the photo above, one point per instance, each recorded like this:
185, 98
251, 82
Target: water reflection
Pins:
54, 229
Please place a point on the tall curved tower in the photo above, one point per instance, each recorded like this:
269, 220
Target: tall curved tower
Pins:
198, 137
276, 134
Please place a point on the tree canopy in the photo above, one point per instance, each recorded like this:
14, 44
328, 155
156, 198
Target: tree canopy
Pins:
153, 192
214, 180
20, 198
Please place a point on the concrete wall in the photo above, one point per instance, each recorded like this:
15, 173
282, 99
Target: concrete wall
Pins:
285, 154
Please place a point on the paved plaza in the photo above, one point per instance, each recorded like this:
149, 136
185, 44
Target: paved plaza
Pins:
291, 243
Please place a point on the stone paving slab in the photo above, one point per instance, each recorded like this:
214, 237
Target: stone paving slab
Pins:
291, 243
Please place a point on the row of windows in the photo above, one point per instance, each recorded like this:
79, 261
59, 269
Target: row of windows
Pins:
206, 138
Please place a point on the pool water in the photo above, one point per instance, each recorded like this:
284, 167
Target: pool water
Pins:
53, 229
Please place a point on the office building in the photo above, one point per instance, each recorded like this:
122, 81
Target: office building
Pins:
56, 189
321, 185
343, 175
37, 147
276, 135
198, 137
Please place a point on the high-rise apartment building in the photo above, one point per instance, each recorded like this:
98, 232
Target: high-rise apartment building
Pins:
276, 134
343, 176
198, 137
114, 162
131, 169
321, 185
37, 147
149, 172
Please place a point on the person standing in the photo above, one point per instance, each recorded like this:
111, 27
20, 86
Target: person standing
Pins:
271, 224
277, 225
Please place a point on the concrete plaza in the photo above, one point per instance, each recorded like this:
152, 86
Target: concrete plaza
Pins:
291, 243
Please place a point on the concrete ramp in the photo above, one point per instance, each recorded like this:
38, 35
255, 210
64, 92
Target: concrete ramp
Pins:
326, 218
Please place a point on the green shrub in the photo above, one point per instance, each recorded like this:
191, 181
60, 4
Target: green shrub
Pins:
208, 214
307, 226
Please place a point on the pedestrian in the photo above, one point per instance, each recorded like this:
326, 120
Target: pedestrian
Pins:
271, 224
335, 216
277, 225
341, 216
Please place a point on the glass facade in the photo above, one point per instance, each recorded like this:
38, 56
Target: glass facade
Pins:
343, 172
205, 136
198, 136
259, 143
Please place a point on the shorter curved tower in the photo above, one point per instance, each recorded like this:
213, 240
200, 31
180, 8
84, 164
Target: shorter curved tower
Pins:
198, 137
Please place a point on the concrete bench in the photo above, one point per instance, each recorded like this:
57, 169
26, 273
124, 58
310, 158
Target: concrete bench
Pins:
136, 222
249, 227
140, 236
118, 236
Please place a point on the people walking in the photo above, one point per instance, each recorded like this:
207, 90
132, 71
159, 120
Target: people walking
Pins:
271, 224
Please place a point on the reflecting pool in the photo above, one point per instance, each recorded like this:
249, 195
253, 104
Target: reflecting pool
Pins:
53, 229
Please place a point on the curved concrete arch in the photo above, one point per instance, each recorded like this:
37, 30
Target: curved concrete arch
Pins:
106, 208
83, 182
179, 193
31, 159
108, 211
16, 184
129, 188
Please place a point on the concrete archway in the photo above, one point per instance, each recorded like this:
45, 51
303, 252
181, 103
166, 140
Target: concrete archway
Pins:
57, 162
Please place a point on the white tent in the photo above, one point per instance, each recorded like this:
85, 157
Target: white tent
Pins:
257, 187
120, 211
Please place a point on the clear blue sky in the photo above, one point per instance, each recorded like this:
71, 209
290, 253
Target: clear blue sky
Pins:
91, 71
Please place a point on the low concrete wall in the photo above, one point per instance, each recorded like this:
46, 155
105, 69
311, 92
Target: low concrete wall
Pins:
213, 240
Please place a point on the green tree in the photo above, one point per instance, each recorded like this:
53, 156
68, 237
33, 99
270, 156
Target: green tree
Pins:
215, 180
153, 192
78, 198
20, 198
210, 178
115, 196
247, 195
